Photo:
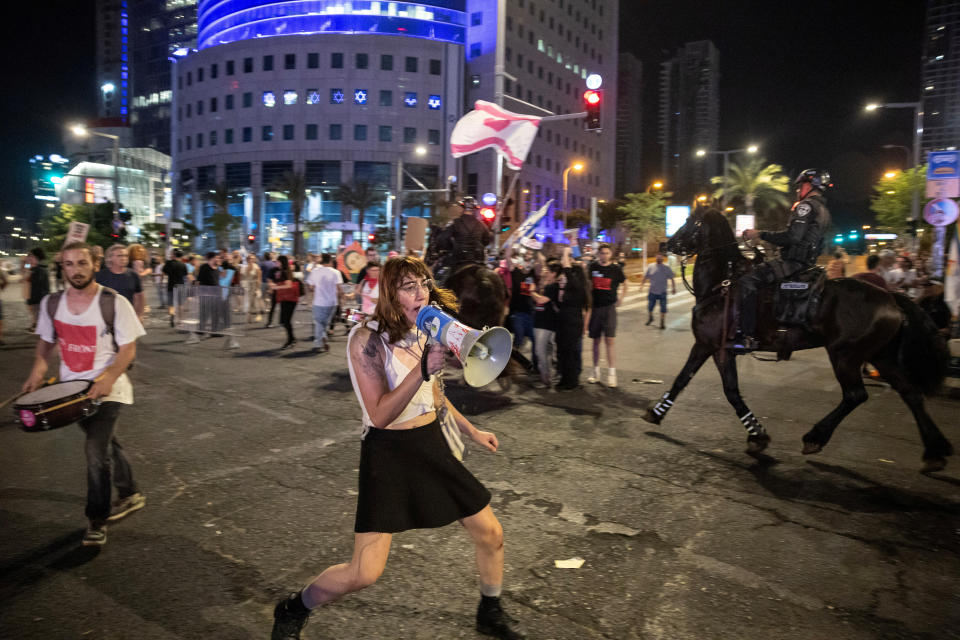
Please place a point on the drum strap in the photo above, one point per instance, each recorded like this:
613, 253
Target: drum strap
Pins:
108, 309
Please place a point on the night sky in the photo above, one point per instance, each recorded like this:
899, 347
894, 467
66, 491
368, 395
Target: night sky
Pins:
794, 79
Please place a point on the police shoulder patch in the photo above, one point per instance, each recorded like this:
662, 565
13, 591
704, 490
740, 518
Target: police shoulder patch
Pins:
803, 209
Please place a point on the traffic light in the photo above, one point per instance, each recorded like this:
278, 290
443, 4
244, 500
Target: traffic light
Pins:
592, 102
251, 238
488, 215
371, 238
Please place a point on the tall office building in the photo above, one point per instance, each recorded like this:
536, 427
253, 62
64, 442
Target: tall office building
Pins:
690, 117
113, 59
160, 31
533, 57
941, 76
629, 125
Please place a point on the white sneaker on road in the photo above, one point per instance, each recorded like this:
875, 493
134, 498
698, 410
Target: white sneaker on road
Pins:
612, 380
595, 377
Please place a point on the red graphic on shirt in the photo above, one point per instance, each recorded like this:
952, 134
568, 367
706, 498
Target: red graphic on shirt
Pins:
526, 288
601, 284
78, 345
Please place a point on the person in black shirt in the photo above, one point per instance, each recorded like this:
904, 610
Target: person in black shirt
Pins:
606, 276
545, 319
122, 279
39, 283
270, 275
209, 272
523, 280
574, 301
176, 272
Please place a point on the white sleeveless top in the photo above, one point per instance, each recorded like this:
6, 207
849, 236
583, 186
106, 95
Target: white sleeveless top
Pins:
397, 364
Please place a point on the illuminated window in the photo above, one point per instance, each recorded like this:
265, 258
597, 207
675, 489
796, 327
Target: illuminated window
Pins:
360, 96
313, 96
269, 99
434, 102
336, 96
409, 99
289, 97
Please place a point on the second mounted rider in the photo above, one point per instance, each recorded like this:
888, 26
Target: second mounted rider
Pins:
800, 245
462, 241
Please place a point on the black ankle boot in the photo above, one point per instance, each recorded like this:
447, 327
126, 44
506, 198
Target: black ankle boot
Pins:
492, 620
289, 617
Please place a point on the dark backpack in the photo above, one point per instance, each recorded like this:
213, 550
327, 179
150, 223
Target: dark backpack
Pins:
108, 309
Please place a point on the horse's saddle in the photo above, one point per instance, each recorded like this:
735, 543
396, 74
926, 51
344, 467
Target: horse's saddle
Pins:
797, 297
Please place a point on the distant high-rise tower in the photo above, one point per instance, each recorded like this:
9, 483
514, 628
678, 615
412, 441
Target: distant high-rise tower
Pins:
113, 59
941, 76
160, 29
690, 116
629, 130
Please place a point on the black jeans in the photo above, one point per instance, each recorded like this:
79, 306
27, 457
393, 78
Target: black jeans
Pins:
273, 305
570, 345
286, 317
107, 465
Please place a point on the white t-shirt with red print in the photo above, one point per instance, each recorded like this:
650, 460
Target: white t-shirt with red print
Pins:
86, 346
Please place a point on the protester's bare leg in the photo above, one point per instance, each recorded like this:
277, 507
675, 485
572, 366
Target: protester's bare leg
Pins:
609, 342
370, 552
487, 536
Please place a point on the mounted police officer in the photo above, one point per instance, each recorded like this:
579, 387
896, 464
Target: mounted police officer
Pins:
800, 245
463, 240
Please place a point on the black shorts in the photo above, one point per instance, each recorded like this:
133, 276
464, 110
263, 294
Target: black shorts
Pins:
603, 321
409, 479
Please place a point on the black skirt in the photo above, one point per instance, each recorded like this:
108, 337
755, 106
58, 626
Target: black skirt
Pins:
410, 480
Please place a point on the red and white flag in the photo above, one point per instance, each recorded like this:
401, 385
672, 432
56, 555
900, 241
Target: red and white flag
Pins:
489, 125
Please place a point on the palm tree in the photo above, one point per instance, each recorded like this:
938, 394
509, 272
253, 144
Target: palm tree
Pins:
295, 186
359, 195
221, 221
758, 184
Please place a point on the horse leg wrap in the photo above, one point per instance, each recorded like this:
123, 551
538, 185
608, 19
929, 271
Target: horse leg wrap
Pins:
751, 424
663, 405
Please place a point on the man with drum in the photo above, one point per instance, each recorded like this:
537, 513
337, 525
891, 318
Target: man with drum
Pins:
89, 351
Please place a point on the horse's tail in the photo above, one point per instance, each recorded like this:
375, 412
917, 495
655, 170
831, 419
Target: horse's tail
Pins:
922, 352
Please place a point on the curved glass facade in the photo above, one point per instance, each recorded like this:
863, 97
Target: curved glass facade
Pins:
223, 21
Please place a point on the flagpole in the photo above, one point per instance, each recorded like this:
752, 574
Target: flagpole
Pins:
503, 203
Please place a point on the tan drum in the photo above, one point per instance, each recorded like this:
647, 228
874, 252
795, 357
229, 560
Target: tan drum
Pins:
55, 406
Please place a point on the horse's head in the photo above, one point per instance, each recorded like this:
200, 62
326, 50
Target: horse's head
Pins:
687, 239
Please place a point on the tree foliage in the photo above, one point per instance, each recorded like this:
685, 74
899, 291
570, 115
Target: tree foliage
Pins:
760, 186
893, 209
360, 196
644, 213
99, 216
294, 185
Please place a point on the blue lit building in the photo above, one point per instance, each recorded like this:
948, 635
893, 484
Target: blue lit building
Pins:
342, 91
338, 94
113, 59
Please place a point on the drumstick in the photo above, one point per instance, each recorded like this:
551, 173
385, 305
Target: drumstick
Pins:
61, 405
20, 393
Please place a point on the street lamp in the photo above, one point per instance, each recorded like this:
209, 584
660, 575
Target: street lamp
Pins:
576, 166
726, 162
655, 186
81, 131
917, 131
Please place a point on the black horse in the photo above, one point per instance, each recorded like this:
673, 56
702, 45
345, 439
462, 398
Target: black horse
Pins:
856, 322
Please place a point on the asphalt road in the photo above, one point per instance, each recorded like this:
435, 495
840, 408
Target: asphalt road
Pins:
248, 460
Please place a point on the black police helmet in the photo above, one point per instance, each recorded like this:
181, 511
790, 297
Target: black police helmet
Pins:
818, 178
468, 203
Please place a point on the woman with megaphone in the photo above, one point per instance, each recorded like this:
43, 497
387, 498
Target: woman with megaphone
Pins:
410, 477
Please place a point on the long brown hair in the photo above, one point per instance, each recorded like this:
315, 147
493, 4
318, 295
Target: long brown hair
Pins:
388, 313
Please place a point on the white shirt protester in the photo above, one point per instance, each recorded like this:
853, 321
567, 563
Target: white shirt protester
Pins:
86, 346
325, 282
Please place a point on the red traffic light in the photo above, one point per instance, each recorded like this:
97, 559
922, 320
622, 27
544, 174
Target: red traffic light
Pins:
251, 238
371, 237
592, 99
488, 214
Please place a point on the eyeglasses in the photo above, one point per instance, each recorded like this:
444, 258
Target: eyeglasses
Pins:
411, 287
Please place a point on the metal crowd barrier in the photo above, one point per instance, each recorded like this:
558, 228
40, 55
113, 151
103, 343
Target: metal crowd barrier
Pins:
210, 310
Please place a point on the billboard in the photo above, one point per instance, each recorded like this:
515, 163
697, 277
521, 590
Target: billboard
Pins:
676, 216
745, 222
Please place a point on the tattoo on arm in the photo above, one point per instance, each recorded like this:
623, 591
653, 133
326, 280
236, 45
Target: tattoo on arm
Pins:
371, 357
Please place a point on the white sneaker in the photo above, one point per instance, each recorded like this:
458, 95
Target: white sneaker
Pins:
193, 339
595, 377
612, 380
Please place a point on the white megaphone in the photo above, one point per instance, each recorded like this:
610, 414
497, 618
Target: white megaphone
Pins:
483, 353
